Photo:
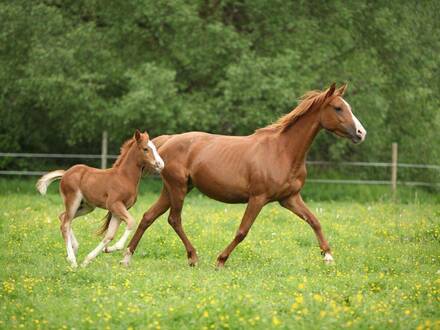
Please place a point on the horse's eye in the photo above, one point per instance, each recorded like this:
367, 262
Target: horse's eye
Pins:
146, 149
338, 109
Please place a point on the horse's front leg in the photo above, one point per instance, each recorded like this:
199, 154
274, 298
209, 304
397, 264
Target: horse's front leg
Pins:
156, 210
253, 208
295, 204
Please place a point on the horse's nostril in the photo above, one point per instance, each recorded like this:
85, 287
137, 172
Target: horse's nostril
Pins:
359, 132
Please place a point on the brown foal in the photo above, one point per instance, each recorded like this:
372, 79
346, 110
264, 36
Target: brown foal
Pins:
84, 188
264, 167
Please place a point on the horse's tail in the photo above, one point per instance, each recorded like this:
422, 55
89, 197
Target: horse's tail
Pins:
47, 179
105, 224
160, 140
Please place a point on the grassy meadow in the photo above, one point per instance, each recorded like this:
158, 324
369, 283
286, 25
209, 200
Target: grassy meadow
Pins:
387, 271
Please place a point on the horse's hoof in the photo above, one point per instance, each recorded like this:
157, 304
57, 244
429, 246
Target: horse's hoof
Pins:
192, 262
328, 259
220, 265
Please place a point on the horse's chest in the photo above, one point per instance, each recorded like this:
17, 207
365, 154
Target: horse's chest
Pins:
286, 185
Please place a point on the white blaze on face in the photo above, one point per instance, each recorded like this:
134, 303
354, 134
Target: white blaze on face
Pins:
360, 130
159, 161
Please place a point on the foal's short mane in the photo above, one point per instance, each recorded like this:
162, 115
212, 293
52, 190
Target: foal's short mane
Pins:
124, 151
306, 103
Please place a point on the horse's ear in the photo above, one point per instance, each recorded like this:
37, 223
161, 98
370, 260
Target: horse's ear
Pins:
137, 135
341, 90
330, 90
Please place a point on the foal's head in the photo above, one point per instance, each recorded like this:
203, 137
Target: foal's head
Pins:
336, 116
148, 155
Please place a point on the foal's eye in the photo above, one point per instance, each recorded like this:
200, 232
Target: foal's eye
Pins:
338, 109
146, 149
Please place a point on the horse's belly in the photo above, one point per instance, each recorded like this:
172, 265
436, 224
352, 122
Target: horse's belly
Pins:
220, 188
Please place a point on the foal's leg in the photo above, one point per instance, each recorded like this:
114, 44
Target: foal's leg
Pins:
177, 196
295, 204
253, 208
71, 202
83, 210
75, 244
110, 233
73, 240
119, 245
156, 210
122, 213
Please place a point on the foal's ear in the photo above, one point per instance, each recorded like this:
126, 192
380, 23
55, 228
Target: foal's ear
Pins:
330, 90
341, 90
137, 135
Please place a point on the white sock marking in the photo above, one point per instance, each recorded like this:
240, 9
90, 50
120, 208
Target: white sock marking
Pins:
328, 257
70, 253
119, 245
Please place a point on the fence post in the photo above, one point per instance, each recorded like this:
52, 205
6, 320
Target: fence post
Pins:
104, 150
394, 168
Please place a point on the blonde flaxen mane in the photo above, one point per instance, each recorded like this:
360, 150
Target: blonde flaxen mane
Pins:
307, 101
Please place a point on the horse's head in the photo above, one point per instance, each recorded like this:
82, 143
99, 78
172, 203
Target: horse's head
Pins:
336, 116
148, 154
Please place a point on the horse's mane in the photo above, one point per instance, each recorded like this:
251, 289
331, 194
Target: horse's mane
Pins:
307, 101
124, 151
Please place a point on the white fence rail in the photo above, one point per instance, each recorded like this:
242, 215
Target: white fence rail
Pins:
393, 182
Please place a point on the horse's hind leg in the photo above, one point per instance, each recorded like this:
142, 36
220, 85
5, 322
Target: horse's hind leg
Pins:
296, 205
155, 211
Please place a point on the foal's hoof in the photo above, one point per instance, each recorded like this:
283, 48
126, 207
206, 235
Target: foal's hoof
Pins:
85, 263
127, 257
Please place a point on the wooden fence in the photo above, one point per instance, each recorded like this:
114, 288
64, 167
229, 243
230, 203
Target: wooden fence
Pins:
393, 182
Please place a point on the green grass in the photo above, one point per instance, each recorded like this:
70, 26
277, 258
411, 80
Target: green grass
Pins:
387, 271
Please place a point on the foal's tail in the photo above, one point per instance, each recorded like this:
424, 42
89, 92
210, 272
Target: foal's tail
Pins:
47, 179
105, 224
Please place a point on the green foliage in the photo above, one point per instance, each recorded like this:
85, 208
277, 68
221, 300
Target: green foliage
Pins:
385, 272
70, 69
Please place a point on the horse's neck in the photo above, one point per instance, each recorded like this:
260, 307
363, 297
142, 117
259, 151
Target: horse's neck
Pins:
297, 139
130, 166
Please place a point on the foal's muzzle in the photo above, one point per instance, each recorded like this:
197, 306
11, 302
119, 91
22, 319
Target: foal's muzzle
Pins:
158, 166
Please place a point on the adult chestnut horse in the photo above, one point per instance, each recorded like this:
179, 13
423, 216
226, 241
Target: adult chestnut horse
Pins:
264, 167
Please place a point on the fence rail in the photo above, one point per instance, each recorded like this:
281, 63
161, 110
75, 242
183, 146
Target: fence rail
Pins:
393, 182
